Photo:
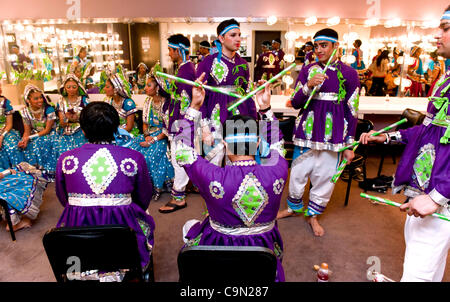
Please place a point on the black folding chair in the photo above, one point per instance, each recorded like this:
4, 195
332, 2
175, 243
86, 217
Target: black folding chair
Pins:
287, 125
359, 162
227, 264
414, 118
4, 205
107, 248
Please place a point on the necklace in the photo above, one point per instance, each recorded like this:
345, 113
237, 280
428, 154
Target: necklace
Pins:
37, 111
115, 105
74, 104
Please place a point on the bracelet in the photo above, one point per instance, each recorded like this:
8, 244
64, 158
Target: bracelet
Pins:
33, 136
4, 133
6, 172
265, 110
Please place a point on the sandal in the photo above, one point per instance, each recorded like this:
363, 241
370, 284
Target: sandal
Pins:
174, 207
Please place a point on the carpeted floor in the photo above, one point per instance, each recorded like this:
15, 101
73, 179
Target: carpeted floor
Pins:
353, 234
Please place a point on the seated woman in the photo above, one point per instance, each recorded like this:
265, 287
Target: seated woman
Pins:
242, 198
10, 154
22, 189
118, 95
103, 184
140, 78
153, 144
39, 130
73, 99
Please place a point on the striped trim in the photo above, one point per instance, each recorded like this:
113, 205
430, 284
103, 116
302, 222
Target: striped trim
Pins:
446, 16
295, 204
242, 230
241, 138
314, 209
325, 38
228, 28
100, 201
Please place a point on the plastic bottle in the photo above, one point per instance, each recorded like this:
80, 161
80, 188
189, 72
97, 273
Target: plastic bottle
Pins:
363, 91
323, 273
387, 97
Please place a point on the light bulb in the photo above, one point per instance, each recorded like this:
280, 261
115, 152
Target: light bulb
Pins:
272, 20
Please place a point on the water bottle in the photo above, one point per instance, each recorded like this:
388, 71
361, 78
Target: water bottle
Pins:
387, 97
323, 273
363, 91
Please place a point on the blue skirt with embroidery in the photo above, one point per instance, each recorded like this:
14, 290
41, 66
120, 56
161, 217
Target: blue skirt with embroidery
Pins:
66, 142
18, 190
39, 152
158, 162
10, 154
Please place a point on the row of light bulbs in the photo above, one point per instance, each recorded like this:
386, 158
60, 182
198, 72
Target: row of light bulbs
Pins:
333, 21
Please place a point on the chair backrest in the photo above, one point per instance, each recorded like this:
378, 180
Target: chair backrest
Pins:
227, 263
414, 118
106, 248
363, 125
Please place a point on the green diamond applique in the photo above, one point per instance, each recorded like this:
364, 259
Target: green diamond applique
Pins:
308, 125
219, 70
424, 165
250, 200
185, 155
313, 71
215, 116
271, 59
100, 170
185, 101
328, 126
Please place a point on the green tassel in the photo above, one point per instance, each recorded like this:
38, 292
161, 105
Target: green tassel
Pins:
236, 68
342, 93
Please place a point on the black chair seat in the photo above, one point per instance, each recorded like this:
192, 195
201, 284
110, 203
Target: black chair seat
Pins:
227, 264
107, 248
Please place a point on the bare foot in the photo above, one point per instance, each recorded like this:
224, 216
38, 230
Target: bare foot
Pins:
24, 223
286, 213
173, 201
316, 227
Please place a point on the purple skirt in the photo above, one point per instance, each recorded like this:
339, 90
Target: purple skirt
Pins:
131, 215
204, 234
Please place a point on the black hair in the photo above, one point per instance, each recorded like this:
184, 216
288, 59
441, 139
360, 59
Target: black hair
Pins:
222, 25
245, 125
327, 32
47, 100
205, 44
358, 42
161, 91
266, 44
309, 43
278, 40
99, 121
179, 38
384, 55
447, 9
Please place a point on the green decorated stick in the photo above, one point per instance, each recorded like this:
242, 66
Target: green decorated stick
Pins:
377, 133
341, 168
273, 79
192, 83
396, 204
323, 72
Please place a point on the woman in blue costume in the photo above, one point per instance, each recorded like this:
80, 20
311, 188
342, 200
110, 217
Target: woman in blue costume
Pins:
38, 118
73, 99
153, 143
140, 77
22, 189
118, 95
10, 154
